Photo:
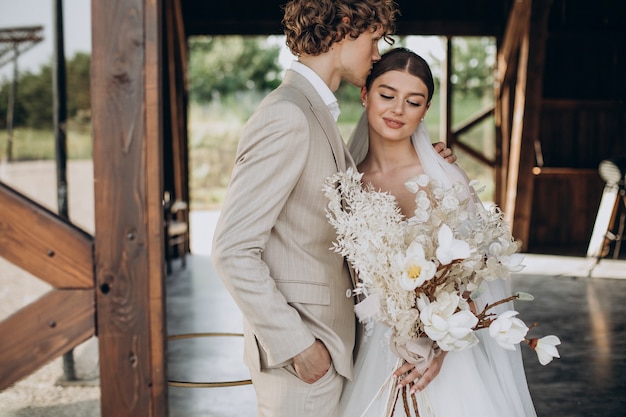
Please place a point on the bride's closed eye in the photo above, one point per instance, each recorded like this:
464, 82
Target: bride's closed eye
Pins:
410, 102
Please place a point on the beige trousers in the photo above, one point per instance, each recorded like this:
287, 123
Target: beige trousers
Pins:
280, 393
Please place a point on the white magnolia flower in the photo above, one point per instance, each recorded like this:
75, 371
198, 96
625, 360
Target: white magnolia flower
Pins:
451, 331
460, 334
546, 348
417, 269
450, 248
508, 330
435, 314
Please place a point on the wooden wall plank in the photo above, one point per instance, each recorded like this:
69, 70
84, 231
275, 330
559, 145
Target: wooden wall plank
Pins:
40, 242
130, 269
581, 133
563, 217
44, 330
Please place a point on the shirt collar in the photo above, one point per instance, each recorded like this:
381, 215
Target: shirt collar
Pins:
320, 86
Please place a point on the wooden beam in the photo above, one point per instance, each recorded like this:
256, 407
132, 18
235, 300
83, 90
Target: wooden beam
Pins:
506, 73
474, 153
43, 331
524, 186
517, 129
517, 25
40, 242
476, 119
126, 83
159, 406
503, 145
175, 82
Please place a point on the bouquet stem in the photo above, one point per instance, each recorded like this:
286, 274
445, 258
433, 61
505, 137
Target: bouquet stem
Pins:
484, 318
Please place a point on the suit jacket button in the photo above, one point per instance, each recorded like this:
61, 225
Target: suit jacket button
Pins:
348, 293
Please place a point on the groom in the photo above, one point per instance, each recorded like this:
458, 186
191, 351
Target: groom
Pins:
272, 243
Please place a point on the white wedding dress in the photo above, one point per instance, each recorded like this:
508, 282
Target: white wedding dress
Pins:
483, 381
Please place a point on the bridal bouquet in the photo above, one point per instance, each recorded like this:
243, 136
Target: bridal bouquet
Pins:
421, 276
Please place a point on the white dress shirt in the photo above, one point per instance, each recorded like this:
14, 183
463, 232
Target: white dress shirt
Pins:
320, 86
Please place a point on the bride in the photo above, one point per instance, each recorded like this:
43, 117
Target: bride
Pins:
390, 145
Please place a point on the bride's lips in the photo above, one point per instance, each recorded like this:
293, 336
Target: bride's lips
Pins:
392, 123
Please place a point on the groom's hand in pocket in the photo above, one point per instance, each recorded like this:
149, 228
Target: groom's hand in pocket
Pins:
312, 363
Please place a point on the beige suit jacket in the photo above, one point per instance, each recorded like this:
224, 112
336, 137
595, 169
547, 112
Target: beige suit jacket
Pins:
272, 243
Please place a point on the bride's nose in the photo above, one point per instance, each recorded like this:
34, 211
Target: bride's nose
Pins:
398, 107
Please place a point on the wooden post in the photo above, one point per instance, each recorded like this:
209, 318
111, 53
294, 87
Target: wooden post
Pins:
126, 87
533, 48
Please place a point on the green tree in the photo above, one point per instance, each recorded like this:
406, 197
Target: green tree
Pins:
33, 104
35, 96
473, 64
78, 87
223, 65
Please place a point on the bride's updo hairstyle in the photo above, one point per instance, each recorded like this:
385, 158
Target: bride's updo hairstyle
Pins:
402, 59
312, 26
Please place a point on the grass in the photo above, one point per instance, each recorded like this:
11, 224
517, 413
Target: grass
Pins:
39, 144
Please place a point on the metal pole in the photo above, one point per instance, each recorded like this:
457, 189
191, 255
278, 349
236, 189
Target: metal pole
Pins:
11, 104
59, 94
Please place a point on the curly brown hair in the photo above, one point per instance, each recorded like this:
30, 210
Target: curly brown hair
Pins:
312, 26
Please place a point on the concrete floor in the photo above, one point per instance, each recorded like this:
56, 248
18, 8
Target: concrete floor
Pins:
198, 303
584, 306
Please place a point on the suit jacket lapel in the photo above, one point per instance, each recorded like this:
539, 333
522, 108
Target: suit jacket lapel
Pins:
332, 135
324, 117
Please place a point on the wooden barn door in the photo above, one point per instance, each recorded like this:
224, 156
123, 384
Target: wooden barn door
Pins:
518, 105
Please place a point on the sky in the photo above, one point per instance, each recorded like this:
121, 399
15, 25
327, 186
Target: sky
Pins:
76, 25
